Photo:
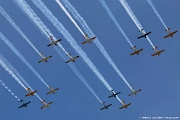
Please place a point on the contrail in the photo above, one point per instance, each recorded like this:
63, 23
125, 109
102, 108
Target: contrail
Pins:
8, 18
133, 17
42, 27
156, 12
64, 9
11, 46
9, 90
114, 20
33, 16
83, 23
12, 74
15, 72
70, 39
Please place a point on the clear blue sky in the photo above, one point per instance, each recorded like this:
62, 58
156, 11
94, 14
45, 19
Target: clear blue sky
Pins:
158, 76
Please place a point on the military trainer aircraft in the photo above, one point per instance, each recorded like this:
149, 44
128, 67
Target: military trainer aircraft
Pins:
135, 51
44, 59
113, 94
54, 42
88, 40
143, 34
52, 90
72, 59
170, 34
105, 106
46, 105
157, 52
30, 93
124, 105
23, 104
134, 92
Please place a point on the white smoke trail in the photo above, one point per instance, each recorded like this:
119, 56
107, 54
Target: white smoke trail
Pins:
8, 18
11, 46
83, 23
33, 16
114, 20
133, 17
64, 9
8, 67
71, 40
156, 12
42, 27
11, 73
9, 90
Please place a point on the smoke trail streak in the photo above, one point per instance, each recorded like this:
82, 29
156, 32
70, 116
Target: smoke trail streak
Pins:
97, 42
33, 16
156, 12
11, 46
8, 18
133, 17
42, 27
11, 73
14, 72
9, 90
64, 9
114, 20
71, 40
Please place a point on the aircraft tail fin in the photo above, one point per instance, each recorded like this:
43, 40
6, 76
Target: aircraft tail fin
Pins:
168, 29
133, 47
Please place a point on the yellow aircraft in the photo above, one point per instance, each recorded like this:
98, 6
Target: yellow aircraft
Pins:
170, 34
30, 93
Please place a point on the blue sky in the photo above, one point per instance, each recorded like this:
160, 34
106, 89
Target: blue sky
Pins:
158, 76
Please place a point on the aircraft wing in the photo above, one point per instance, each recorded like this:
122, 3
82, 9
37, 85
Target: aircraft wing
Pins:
48, 92
111, 96
103, 108
42, 107
44, 59
140, 36
76, 57
22, 106
92, 38
68, 61
84, 42
49, 44
167, 36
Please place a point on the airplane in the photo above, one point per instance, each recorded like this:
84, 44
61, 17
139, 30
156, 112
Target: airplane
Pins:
170, 34
46, 105
23, 104
113, 94
124, 105
134, 92
72, 59
88, 40
105, 106
53, 41
157, 52
135, 51
30, 92
44, 59
143, 34
52, 90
